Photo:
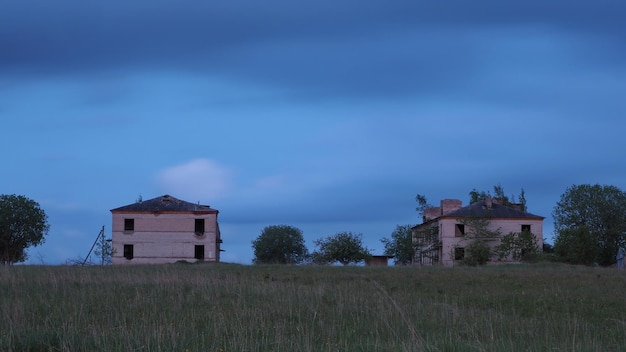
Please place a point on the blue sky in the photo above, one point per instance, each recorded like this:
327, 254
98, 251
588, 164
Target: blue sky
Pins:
328, 116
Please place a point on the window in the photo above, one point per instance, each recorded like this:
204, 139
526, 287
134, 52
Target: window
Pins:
199, 252
526, 228
459, 230
459, 253
199, 227
129, 224
128, 251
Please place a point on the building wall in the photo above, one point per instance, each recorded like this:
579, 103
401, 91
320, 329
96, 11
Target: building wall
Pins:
164, 237
449, 240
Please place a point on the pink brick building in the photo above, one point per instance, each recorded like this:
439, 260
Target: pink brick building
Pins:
165, 230
442, 237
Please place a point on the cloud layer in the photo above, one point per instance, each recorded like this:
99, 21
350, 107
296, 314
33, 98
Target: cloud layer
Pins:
326, 115
197, 179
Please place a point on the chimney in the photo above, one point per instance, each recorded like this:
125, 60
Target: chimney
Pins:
450, 205
488, 202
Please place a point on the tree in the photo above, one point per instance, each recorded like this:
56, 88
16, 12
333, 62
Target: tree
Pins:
522, 201
344, 247
400, 245
591, 214
477, 253
104, 249
422, 204
499, 195
478, 227
517, 245
22, 224
576, 245
279, 244
478, 231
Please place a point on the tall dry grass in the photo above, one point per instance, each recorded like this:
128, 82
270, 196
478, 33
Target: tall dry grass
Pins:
221, 307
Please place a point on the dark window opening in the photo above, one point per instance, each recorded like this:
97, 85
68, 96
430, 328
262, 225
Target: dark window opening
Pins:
199, 252
128, 251
526, 228
199, 227
459, 230
459, 253
129, 224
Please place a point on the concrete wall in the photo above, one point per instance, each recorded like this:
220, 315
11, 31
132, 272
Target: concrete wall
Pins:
164, 237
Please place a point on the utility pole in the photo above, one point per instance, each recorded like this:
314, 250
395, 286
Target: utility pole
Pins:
102, 248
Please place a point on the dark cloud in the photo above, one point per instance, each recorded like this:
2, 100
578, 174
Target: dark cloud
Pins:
319, 48
436, 98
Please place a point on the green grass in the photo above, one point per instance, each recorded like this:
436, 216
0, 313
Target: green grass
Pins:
222, 307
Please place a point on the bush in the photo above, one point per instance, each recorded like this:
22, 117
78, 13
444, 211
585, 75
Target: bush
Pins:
517, 246
576, 246
477, 253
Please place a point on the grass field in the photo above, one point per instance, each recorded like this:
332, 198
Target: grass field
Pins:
225, 307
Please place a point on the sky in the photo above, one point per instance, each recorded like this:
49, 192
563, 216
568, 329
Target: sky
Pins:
329, 116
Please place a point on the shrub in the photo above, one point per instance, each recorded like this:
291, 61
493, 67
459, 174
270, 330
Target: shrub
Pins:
477, 253
576, 246
517, 245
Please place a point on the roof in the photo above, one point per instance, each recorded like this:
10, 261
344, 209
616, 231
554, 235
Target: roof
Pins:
480, 209
165, 203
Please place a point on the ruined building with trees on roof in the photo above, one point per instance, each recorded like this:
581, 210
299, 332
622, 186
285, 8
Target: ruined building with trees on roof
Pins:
447, 231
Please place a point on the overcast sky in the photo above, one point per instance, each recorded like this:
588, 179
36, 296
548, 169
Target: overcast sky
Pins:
325, 115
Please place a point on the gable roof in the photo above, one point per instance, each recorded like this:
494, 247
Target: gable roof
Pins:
165, 203
480, 209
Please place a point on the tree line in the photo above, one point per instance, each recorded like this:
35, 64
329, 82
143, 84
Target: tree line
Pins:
589, 228
284, 244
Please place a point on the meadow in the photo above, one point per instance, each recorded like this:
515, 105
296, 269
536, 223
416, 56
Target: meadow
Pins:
228, 307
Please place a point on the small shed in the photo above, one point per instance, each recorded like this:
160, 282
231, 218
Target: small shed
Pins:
378, 260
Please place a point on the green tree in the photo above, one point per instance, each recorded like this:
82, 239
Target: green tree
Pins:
22, 224
279, 244
477, 229
594, 215
476, 196
576, 245
477, 253
104, 249
522, 200
400, 245
498, 193
422, 204
344, 247
517, 245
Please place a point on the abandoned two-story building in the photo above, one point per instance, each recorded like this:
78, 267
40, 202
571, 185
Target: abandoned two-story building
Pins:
442, 237
165, 230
